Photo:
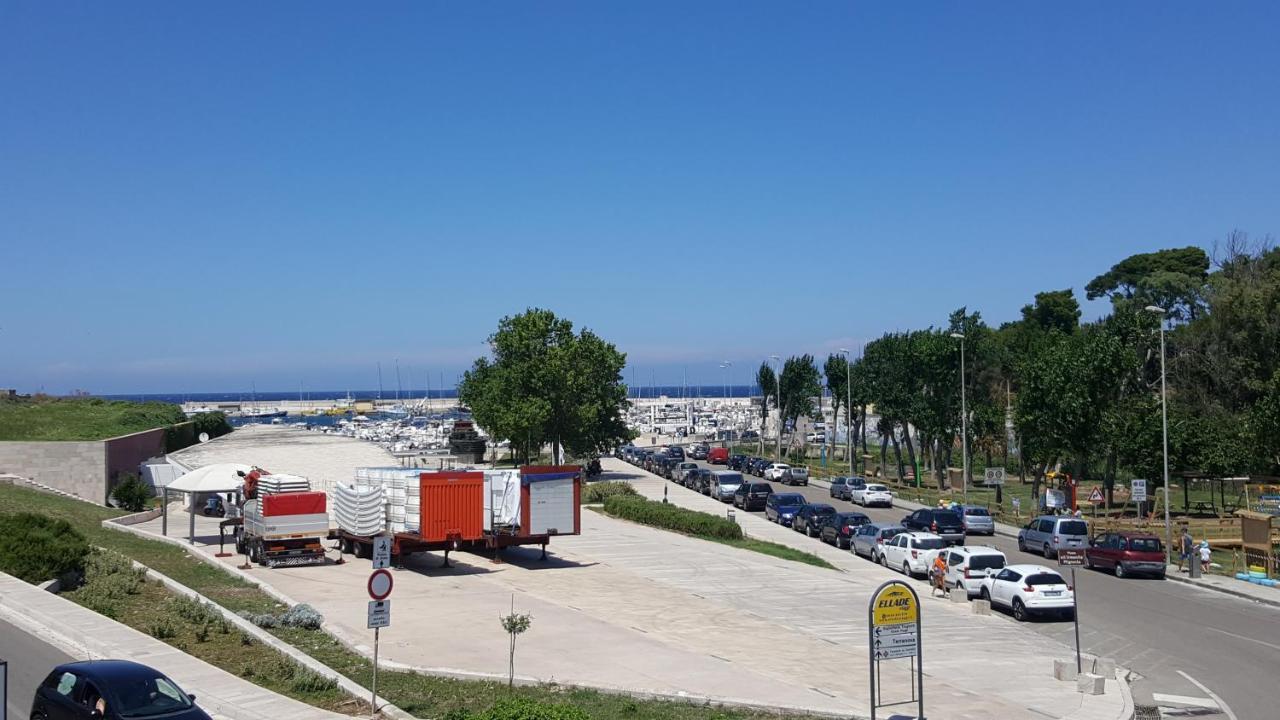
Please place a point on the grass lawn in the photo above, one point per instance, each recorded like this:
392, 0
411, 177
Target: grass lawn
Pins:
419, 695
82, 418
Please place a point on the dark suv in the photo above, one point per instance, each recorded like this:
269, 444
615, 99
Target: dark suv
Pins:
838, 529
752, 495
737, 462
946, 523
809, 518
677, 452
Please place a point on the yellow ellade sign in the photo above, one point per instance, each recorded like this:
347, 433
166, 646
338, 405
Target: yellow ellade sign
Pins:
893, 605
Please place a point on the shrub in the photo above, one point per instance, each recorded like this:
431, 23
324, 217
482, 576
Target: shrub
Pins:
36, 548
111, 574
193, 611
213, 423
262, 620
131, 493
306, 681
302, 616
599, 492
672, 517
161, 629
526, 709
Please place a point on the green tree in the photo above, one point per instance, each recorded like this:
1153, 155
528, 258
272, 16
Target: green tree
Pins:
836, 370
131, 493
1172, 279
798, 385
768, 382
1053, 310
546, 384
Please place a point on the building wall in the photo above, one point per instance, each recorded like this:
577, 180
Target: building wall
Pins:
74, 466
127, 453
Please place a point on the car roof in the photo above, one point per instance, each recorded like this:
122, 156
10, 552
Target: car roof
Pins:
1131, 535
108, 669
887, 526
794, 495
853, 514
1028, 569
820, 505
976, 550
922, 535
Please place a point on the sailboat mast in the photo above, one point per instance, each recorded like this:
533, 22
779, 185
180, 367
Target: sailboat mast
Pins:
379, 379
397, 380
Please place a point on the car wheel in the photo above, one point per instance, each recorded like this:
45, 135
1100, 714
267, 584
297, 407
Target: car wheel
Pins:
1160, 576
1119, 570
1022, 547
906, 569
1047, 551
884, 560
984, 594
1019, 610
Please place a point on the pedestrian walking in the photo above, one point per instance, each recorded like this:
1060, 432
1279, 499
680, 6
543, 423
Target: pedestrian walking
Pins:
1205, 556
938, 574
1187, 544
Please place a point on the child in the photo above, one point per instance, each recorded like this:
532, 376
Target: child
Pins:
1205, 556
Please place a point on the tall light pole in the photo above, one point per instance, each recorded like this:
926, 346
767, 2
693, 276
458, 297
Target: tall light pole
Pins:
848, 408
778, 384
727, 365
1164, 422
964, 423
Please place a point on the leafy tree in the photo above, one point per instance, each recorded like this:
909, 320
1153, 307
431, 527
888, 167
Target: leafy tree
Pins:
1053, 310
546, 384
1171, 278
131, 493
213, 423
836, 370
798, 385
515, 624
768, 383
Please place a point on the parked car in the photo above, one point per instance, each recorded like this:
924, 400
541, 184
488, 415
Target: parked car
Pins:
676, 453
775, 471
945, 523
698, 451
967, 567
724, 483
756, 466
838, 487
911, 552
796, 475
1048, 534
701, 481
737, 462
838, 529
752, 495
1127, 553
782, 507
869, 494
1029, 590
977, 521
111, 690
683, 471
718, 456
869, 539
809, 518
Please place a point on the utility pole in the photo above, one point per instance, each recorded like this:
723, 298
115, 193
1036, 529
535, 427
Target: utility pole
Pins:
1164, 423
778, 383
848, 408
964, 423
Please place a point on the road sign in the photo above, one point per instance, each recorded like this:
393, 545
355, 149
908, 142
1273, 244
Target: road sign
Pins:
1070, 557
994, 476
893, 629
1095, 495
894, 604
380, 583
381, 552
1138, 490
379, 613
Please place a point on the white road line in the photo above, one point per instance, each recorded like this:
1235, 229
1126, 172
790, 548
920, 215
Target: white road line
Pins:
1245, 637
1226, 710
1162, 698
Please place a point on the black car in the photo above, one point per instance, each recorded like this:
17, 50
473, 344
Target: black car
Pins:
698, 451
111, 690
756, 466
752, 495
838, 529
809, 518
701, 481
677, 452
946, 523
737, 462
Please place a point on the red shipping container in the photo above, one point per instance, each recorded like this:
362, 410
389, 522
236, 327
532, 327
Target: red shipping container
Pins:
299, 503
452, 506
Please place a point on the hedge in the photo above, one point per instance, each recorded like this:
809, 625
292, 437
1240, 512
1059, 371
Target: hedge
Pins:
672, 517
36, 548
601, 491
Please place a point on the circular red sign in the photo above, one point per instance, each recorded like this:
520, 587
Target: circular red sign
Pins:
380, 584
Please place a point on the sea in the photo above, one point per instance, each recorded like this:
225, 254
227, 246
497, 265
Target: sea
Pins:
268, 397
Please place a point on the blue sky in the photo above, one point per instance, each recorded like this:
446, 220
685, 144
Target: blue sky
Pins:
205, 197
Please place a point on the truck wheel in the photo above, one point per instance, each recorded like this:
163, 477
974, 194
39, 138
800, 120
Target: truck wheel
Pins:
363, 550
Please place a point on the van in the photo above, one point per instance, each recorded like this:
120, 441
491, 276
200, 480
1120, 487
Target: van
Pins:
724, 483
1048, 534
718, 456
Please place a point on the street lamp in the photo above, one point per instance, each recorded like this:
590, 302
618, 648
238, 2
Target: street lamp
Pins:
1164, 422
848, 408
778, 384
727, 365
964, 423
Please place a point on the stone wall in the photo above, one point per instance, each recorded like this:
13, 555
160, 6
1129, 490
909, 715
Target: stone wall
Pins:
72, 466
127, 453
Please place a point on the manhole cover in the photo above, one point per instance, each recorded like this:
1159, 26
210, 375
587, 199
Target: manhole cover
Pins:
1146, 712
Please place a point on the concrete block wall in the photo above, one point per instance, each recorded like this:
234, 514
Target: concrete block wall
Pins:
72, 466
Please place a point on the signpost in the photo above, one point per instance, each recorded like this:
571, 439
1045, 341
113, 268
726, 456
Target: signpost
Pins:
1095, 495
994, 476
1074, 559
381, 552
893, 628
379, 586
1138, 493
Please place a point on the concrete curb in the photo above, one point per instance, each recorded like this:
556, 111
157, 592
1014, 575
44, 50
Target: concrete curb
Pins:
1126, 694
1225, 591
351, 687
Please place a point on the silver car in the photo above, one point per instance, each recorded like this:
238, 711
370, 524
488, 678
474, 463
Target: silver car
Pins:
977, 521
1048, 534
724, 483
867, 539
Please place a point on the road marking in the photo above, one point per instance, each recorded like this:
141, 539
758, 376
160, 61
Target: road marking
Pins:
1162, 698
1245, 637
1226, 710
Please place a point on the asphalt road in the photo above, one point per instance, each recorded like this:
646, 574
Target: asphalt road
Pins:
1183, 641
30, 660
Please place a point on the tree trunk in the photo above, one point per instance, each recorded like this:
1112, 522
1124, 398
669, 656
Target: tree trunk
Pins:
911, 450
897, 450
1110, 478
884, 444
864, 432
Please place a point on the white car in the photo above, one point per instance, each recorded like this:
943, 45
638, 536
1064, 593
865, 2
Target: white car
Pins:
1029, 590
968, 566
871, 494
775, 471
911, 552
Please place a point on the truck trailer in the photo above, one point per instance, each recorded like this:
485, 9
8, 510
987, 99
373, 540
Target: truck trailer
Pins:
284, 529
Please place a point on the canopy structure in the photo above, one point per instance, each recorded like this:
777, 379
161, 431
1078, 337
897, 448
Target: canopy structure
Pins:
217, 478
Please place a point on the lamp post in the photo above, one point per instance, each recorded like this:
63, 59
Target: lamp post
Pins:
778, 383
964, 423
1164, 423
848, 408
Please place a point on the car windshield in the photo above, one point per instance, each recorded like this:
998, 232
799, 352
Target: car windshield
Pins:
986, 562
876, 488
853, 519
789, 499
1045, 579
838, 481
981, 512
1073, 527
823, 510
1145, 545
147, 696
891, 532
929, 543
946, 516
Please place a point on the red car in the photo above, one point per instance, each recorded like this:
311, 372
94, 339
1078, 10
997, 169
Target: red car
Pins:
1127, 553
718, 456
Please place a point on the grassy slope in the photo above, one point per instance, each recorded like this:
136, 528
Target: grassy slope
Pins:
420, 695
81, 418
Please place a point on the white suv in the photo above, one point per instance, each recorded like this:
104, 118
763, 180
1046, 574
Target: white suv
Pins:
775, 471
911, 552
968, 566
1028, 590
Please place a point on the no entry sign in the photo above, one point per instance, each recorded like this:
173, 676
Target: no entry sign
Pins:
380, 584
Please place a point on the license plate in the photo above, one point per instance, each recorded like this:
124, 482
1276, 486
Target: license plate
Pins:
1052, 593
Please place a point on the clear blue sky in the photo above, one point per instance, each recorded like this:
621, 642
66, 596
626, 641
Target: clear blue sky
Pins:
201, 197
